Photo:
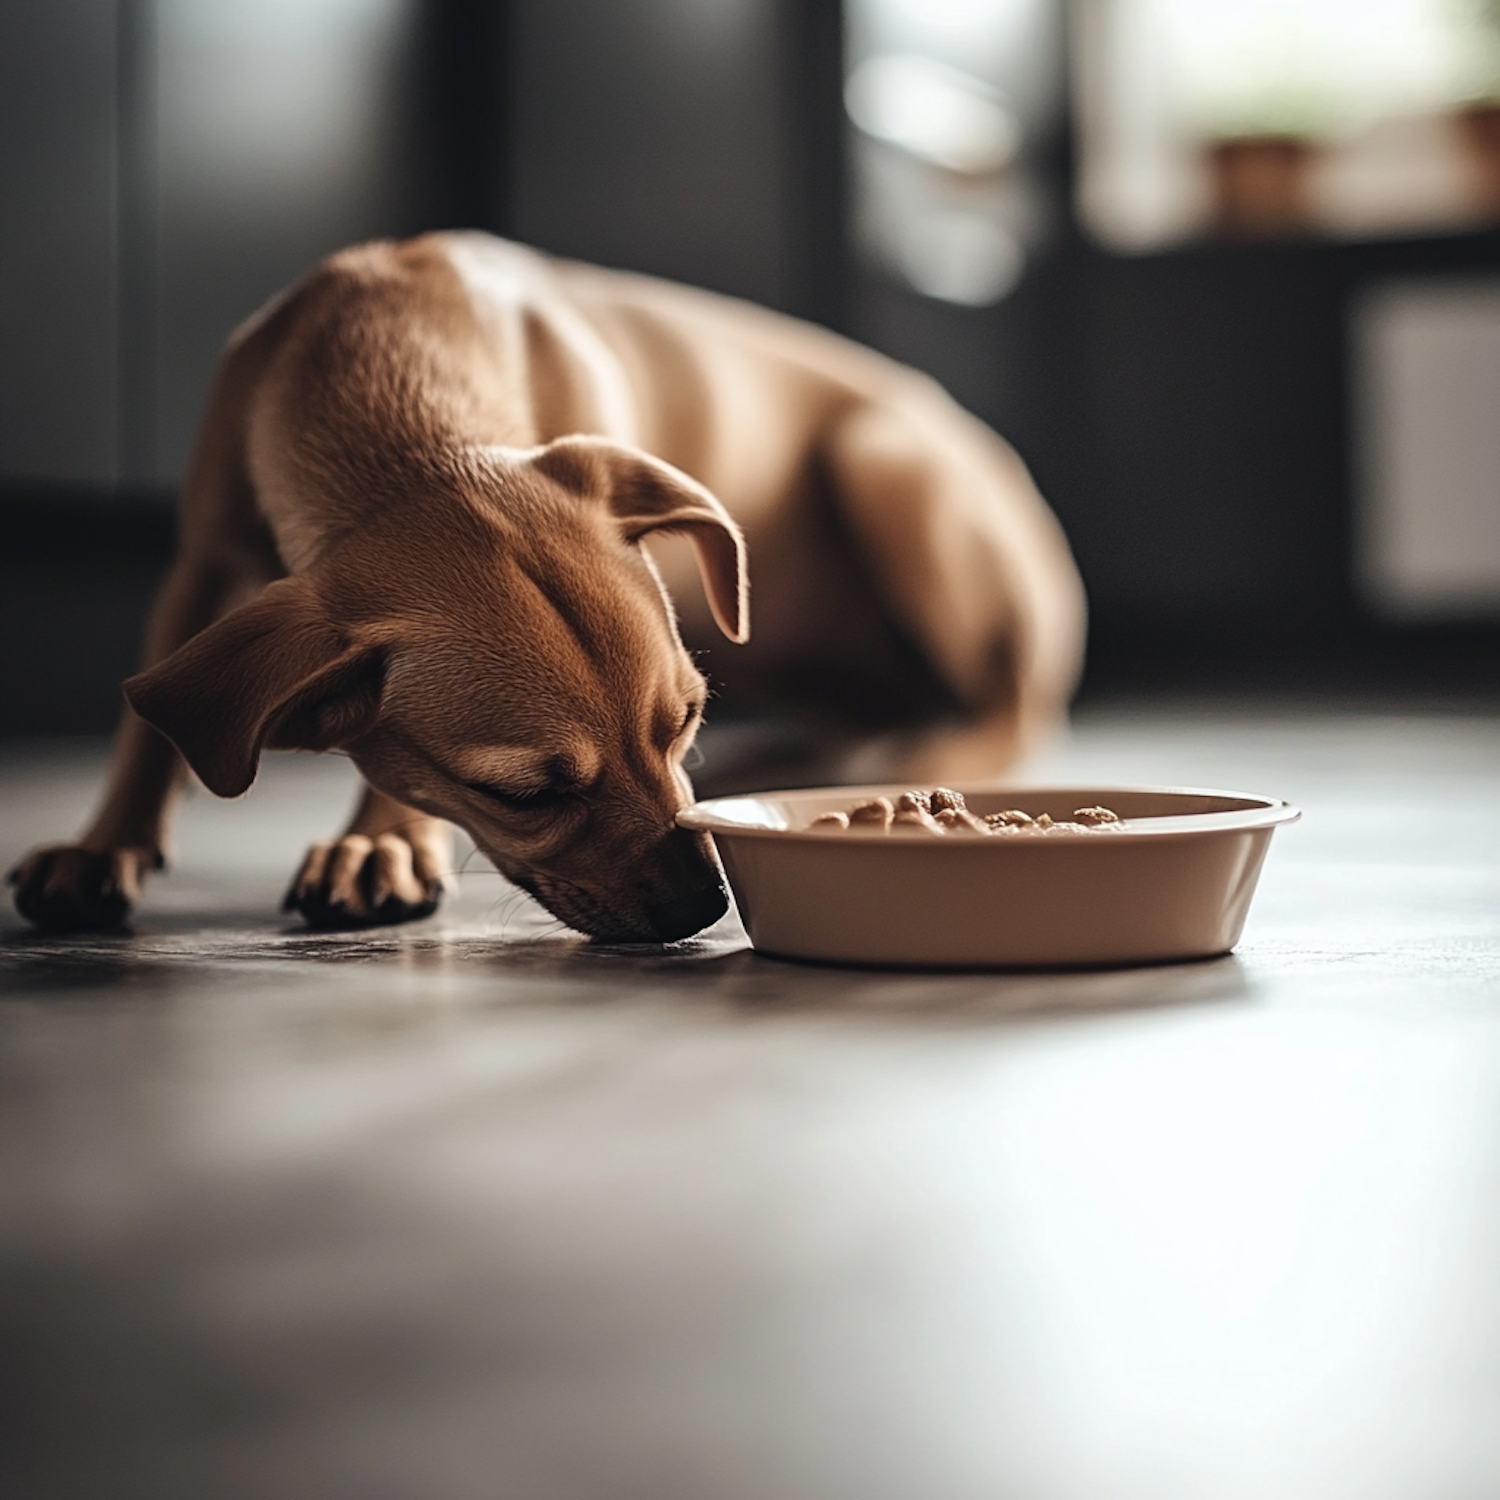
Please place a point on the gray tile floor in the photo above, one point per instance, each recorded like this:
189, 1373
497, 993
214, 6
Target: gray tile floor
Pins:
473, 1209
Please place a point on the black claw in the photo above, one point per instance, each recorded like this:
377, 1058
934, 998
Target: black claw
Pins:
324, 916
395, 910
61, 914
93, 903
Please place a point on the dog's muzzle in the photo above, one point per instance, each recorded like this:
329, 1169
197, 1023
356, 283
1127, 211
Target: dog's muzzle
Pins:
682, 916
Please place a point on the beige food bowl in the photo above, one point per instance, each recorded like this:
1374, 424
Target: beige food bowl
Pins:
1174, 881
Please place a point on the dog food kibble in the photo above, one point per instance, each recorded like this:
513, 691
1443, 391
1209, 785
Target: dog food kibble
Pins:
943, 811
915, 817
958, 820
876, 814
1012, 817
1096, 817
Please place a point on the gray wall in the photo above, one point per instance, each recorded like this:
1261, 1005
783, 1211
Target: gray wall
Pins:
165, 165
58, 343
654, 135
280, 137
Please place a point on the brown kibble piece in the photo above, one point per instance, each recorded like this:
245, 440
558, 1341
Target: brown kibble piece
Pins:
876, 814
830, 820
1096, 817
913, 802
945, 799
1012, 817
915, 817
959, 820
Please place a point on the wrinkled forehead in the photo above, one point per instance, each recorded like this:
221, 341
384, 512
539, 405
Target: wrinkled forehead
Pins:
570, 647
564, 576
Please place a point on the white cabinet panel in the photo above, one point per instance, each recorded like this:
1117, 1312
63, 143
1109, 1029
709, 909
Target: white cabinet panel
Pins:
1428, 420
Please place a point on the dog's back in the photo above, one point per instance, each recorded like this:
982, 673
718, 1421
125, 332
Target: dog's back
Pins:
904, 566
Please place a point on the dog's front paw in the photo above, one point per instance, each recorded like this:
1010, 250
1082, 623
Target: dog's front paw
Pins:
67, 888
358, 881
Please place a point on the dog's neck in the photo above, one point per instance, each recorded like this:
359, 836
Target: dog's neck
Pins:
400, 372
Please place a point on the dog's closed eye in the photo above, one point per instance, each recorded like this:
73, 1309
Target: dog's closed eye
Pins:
692, 714
673, 725
532, 799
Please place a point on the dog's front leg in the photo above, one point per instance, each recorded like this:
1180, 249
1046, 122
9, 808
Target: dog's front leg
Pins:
95, 882
392, 864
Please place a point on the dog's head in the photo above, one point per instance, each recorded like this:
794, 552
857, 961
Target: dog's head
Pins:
506, 659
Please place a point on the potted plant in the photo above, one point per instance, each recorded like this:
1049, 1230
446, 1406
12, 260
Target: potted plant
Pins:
1260, 152
1477, 119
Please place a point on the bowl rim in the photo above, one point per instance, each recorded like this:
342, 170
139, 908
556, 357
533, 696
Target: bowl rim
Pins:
708, 816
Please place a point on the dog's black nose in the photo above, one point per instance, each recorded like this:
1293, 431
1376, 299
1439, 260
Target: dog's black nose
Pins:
682, 916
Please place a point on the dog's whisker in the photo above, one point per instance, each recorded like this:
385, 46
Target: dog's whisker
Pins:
505, 909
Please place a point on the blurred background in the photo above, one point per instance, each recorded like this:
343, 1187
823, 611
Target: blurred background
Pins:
1227, 274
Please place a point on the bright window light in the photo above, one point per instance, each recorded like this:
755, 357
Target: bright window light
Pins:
1343, 117
935, 112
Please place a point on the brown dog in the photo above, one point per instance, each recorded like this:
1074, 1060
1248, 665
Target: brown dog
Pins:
411, 529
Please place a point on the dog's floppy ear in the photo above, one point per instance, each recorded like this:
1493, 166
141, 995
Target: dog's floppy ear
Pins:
274, 672
648, 495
